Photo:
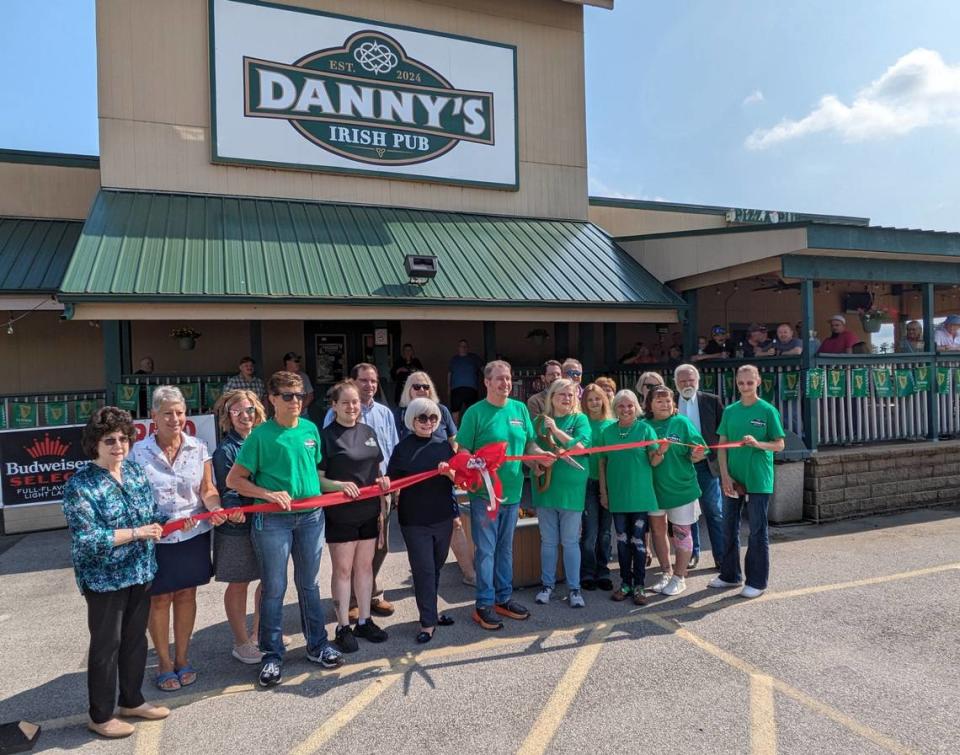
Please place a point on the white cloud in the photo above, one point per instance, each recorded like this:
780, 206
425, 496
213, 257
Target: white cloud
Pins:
753, 98
598, 188
919, 90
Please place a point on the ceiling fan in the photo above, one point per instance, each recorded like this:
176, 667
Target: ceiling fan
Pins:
778, 284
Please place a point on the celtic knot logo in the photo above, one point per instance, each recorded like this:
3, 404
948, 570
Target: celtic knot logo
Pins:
375, 57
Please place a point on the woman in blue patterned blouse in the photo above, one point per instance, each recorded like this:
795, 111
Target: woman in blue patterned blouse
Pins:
114, 522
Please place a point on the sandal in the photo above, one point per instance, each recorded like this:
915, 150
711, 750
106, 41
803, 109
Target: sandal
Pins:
424, 637
186, 675
168, 681
445, 621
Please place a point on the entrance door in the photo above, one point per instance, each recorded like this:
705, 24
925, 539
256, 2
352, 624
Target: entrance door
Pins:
333, 346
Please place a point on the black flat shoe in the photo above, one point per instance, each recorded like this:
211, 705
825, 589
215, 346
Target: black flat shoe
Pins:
588, 584
445, 621
424, 637
605, 583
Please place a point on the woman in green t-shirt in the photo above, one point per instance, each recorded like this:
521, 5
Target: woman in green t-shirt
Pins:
597, 522
746, 473
559, 492
626, 489
675, 481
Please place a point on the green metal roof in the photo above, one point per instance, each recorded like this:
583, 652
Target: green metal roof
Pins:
35, 253
49, 158
155, 246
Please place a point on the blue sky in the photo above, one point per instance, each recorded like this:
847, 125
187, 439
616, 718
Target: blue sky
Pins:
693, 101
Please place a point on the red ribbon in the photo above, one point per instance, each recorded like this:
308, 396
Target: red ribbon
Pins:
472, 472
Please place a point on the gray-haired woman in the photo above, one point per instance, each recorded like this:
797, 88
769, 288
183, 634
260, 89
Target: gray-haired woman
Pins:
180, 471
424, 509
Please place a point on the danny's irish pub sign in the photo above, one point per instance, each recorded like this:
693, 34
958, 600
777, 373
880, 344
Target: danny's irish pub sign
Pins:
304, 89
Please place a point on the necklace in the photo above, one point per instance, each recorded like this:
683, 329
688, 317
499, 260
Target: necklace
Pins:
623, 433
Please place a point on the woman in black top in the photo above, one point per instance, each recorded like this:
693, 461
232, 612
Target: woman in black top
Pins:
424, 508
350, 453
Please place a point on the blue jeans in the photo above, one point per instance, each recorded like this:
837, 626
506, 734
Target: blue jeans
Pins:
559, 527
757, 562
595, 538
712, 508
631, 548
493, 551
276, 537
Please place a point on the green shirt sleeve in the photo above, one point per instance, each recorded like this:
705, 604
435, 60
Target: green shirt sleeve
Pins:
250, 453
467, 435
775, 426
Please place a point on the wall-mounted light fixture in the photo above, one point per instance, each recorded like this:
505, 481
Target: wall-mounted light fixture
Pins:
420, 268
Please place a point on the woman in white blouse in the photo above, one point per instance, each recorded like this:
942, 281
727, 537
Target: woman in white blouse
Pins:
180, 471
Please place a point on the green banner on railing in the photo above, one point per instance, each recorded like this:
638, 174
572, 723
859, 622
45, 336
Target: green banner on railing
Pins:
860, 382
943, 381
789, 385
921, 379
213, 392
3, 415
836, 382
729, 384
768, 382
814, 384
191, 395
24, 415
882, 384
709, 382
128, 396
83, 410
904, 382
55, 413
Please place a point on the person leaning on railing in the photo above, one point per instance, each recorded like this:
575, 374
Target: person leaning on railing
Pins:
747, 478
114, 522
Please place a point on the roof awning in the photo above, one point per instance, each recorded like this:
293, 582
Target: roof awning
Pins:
33, 257
228, 257
695, 259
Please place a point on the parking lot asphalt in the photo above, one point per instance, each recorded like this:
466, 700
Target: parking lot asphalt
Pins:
853, 649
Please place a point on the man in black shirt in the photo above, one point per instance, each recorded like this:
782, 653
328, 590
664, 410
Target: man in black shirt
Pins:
719, 346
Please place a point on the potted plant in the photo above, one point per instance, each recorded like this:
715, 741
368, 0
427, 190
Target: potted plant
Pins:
186, 337
872, 319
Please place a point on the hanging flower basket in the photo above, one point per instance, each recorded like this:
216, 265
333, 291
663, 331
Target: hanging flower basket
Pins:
186, 337
873, 319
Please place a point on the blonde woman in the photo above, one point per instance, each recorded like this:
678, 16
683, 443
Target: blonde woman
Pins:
647, 382
597, 520
419, 385
234, 559
608, 385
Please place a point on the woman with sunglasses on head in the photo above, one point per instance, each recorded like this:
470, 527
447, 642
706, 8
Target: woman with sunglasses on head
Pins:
114, 522
234, 559
419, 385
351, 456
559, 492
647, 382
424, 508
675, 482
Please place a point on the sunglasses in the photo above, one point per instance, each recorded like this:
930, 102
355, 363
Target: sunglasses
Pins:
420, 387
288, 397
249, 411
573, 373
111, 442
427, 419
651, 386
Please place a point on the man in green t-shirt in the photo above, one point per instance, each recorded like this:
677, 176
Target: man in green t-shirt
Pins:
278, 464
496, 419
747, 471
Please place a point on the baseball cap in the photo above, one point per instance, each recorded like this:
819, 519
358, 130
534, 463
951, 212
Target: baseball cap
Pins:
718, 330
755, 326
839, 318
952, 320
248, 359
291, 356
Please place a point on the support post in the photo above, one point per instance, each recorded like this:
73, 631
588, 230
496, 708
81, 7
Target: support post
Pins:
690, 324
489, 341
929, 344
807, 317
381, 354
587, 357
112, 358
610, 346
561, 337
256, 344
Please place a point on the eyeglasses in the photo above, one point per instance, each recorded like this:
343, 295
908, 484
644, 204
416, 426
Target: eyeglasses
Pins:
288, 397
420, 387
111, 442
427, 419
248, 410
573, 373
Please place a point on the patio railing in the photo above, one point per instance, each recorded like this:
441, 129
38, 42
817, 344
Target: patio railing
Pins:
23, 410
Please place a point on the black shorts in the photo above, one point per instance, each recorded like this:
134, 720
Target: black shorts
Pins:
461, 398
348, 522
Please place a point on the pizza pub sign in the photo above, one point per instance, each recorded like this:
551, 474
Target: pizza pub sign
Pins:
305, 89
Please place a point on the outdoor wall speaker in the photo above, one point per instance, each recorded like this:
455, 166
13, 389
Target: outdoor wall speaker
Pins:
420, 267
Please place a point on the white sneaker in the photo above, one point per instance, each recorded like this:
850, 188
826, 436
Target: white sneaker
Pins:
722, 583
576, 599
661, 583
543, 597
675, 586
750, 592
247, 653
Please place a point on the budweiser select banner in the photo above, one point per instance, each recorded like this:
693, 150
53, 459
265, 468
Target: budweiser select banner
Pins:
300, 88
35, 464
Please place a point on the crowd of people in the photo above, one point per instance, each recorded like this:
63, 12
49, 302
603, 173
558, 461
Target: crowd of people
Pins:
135, 579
